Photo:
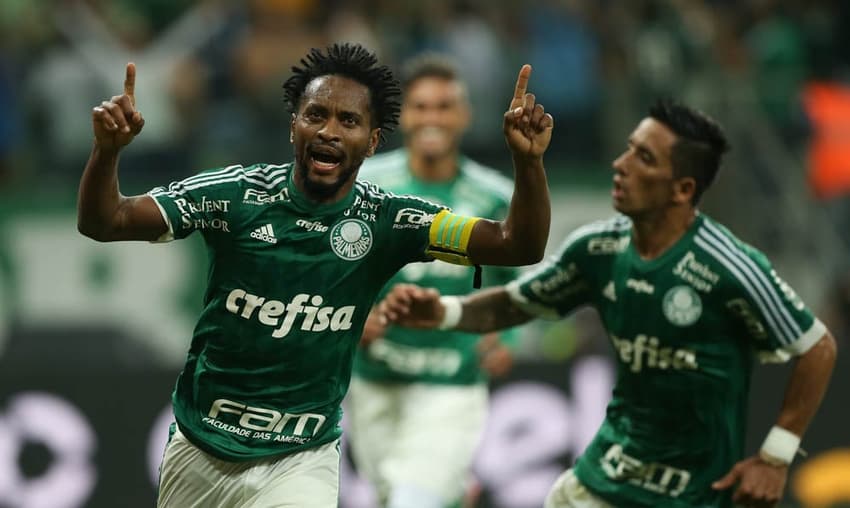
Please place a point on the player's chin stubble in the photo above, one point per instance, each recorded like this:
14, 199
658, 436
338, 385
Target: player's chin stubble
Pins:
322, 191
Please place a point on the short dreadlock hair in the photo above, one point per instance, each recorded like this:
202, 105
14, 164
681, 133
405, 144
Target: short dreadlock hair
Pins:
700, 144
358, 63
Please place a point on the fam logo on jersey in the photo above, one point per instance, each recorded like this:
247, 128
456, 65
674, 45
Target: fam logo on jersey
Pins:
261, 198
682, 305
351, 239
607, 244
412, 218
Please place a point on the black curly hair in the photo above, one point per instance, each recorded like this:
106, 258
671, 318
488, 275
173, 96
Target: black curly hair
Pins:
358, 63
700, 144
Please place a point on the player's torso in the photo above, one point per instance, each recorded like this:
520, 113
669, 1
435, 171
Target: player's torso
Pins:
292, 280
677, 411
290, 286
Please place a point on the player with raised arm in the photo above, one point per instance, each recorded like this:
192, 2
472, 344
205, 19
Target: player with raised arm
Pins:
298, 253
688, 308
418, 401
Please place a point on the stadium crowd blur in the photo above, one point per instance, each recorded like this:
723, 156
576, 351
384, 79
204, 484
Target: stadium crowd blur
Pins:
210, 74
776, 72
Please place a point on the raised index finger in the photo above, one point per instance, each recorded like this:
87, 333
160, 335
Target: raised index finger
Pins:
130, 83
521, 86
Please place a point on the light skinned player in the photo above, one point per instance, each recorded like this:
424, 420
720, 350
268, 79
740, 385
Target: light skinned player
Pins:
688, 308
298, 253
418, 400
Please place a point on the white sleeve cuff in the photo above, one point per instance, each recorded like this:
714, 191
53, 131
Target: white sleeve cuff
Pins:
803, 343
169, 234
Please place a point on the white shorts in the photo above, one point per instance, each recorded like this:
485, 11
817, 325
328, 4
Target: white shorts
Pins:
415, 442
190, 477
568, 492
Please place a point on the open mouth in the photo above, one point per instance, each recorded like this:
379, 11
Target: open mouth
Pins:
617, 191
325, 159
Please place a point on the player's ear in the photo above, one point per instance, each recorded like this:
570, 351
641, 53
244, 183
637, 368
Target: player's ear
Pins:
374, 138
292, 128
684, 190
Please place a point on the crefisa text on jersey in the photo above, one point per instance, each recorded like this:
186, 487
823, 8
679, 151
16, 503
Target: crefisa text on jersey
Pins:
276, 313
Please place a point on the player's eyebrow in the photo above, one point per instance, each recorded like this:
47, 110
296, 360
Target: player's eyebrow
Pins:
642, 148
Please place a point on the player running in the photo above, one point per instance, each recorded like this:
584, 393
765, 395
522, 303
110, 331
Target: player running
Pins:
688, 308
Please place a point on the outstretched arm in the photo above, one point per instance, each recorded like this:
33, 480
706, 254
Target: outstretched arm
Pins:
102, 212
521, 238
762, 477
484, 311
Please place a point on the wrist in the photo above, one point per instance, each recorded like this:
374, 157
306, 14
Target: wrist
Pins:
779, 447
527, 160
106, 149
452, 312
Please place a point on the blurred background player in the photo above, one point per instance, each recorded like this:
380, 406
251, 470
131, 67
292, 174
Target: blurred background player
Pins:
418, 399
688, 308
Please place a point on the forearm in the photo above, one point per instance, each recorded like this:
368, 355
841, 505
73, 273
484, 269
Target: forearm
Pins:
99, 198
807, 386
490, 310
529, 216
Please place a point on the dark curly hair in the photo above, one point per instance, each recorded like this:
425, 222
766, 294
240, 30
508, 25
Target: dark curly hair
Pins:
358, 63
700, 144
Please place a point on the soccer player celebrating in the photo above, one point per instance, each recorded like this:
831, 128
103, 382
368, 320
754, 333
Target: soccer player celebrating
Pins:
418, 399
688, 307
299, 252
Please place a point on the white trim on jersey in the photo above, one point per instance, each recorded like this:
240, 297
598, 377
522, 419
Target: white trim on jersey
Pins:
803, 344
784, 327
178, 188
771, 290
169, 234
808, 339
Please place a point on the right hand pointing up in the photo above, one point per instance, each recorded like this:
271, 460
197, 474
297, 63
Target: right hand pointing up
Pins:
116, 122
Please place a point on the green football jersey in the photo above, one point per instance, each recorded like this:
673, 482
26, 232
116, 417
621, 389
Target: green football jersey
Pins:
290, 285
434, 356
686, 328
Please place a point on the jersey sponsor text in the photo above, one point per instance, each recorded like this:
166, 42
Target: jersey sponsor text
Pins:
261, 423
697, 274
258, 197
282, 316
201, 223
205, 205
412, 360
412, 218
607, 244
644, 352
655, 477
311, 225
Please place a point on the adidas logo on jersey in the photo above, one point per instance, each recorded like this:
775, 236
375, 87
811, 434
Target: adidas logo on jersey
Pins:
265, 233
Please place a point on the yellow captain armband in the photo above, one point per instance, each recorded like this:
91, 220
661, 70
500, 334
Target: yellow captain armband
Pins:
449, 237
